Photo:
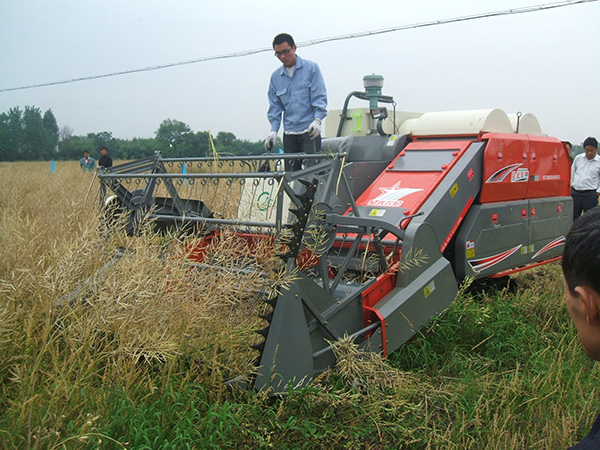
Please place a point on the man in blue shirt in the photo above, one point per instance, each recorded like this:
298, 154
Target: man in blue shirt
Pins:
87, 163
297, 92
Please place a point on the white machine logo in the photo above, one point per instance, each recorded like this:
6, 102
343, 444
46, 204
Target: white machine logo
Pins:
520, 175
391, 196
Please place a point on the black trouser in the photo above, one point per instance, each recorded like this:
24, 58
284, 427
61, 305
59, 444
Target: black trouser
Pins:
583, 201
299, 143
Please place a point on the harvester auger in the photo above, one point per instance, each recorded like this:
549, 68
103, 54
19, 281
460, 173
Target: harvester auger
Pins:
379, 230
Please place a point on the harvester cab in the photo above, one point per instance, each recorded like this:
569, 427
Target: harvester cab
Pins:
380, 228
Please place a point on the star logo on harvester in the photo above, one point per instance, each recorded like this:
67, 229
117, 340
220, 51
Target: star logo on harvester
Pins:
391, 196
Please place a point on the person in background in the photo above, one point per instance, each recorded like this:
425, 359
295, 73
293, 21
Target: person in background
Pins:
105, 160
297, 92
87, 163
581, 271
585, 178
569, 149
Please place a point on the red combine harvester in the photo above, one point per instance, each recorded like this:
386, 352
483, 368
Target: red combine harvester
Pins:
379, 230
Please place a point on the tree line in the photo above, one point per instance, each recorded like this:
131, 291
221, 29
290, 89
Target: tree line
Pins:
29, 135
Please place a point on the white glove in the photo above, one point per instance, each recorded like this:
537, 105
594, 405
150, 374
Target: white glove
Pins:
314, 130
271, 140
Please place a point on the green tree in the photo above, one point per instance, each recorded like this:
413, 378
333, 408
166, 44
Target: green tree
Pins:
51, 131
73, 147
136, 148
194, 144
27, 135
34, 145
172, 133
245, 147
103, 139
225, 140
11, 134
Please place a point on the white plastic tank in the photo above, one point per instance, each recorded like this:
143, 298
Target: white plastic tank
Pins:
458, 123
528, 124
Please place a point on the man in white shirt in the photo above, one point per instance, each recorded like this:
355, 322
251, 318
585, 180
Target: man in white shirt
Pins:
585, 178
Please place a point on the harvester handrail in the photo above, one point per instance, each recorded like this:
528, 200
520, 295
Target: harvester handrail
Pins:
197, 218
351, 223
266, 156
199, 175
136, 167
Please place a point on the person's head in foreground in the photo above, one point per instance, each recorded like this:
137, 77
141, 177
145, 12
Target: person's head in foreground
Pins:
581, 269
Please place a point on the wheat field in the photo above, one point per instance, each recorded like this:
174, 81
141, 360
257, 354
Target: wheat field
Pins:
111, 341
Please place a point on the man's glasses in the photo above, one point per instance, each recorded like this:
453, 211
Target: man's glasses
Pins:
283, 52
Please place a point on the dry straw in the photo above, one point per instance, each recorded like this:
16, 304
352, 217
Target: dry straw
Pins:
82, 307
84, 314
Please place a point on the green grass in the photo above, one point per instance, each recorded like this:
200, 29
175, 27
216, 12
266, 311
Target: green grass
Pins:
139, 359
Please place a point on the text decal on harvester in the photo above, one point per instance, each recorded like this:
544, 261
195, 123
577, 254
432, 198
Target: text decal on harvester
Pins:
391, 196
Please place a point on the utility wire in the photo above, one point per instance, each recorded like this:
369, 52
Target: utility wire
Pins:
506, 12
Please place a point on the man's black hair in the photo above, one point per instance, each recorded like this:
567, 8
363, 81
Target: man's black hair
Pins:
581, 255
590, 141
283, 37
103, 148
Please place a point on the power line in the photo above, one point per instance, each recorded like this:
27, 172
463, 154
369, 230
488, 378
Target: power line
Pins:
506, 12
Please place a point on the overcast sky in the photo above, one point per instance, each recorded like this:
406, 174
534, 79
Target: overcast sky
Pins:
546, 63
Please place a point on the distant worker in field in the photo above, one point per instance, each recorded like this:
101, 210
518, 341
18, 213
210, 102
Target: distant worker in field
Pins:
581, 269
585, 178
296, 91
105, 160
87, 163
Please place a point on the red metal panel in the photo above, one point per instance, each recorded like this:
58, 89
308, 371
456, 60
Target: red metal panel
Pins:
383, 286
411, 188
549, 168
517, 167
505, 167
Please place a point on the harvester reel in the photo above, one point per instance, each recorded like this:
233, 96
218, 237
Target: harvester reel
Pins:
293, 239
319, 236
115, 213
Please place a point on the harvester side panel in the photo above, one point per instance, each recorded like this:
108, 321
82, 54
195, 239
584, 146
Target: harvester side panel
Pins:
411, 178
420, 293
550, 221
524, 211
438, 178
496, 237
506, 168
521, 166
549, 168
493, 238
448, 205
